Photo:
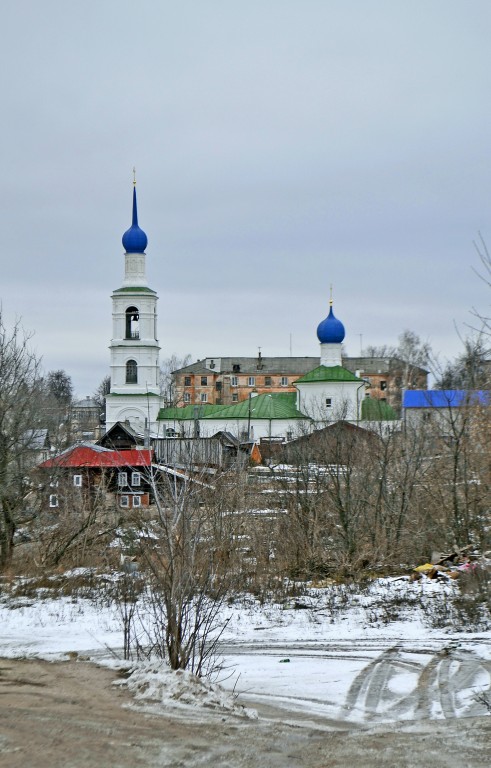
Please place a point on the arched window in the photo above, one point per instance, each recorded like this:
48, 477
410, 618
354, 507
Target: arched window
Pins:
131, 372
132, 323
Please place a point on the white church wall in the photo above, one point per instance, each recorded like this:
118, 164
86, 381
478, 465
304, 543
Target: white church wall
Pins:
331, 400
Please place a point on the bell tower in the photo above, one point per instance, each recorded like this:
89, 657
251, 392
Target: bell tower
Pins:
135, 393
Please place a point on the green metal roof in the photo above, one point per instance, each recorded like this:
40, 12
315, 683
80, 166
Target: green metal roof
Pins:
136, 289
277, 405
377, 410
189, 412
328, 373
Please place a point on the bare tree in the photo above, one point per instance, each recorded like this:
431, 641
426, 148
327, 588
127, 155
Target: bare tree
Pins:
184, 559
54, 407
167, 367
99, 396
20, 396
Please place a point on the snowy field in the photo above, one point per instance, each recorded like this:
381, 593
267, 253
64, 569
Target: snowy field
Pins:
304, 659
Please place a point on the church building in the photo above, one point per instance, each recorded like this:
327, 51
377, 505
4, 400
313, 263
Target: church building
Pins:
135, 393
328, 393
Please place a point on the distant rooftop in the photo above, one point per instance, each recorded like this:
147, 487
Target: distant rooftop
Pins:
444, 398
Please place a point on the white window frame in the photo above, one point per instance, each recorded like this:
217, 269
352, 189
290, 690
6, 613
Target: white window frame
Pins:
234, 381
187, 397
284, 381
328, 402
77, 481
235, 397
203, 398
122, 479
251, 381
137, 502
53, 500
124, 501
136, 478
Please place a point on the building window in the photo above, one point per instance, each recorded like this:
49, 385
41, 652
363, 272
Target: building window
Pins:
203, 397
131, 372
122, 479
251, 381
236, 367
136, 501
383, 386
187, 381
235, 397
53, 500
124, 501
328, 402
77, 481
284, 381
234, 381
267, 381
187, 397
135, 478
53, 483
289, 435
204, 381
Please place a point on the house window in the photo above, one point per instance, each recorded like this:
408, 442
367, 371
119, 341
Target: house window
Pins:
187, 381
235, 397
251, 381
203, 397
383, 385
77, 481
131, 372
136, 501
135, 478
234, 381
53, 483
289, 435
122, 479
53, 500
235, 367
328, 402
284, 381
267, 381
187, 397
204, 381
124, 501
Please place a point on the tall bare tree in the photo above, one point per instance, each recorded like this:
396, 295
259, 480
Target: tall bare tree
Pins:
20, 396
167, 366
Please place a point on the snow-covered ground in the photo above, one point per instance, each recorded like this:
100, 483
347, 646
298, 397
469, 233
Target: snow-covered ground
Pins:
305, 658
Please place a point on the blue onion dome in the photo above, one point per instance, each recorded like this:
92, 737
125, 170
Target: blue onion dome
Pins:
135, 239
331, 330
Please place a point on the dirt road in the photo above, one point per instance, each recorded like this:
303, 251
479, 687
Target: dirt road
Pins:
70, 715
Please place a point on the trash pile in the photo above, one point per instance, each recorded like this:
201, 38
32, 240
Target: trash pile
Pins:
453, 564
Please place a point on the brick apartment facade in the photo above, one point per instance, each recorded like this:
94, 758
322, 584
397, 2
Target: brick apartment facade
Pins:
229, 380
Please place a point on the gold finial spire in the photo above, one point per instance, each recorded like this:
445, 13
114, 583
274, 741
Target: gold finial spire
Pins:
330, 297
134, 176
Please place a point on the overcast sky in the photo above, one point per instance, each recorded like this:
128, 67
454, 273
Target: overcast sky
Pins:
280, 146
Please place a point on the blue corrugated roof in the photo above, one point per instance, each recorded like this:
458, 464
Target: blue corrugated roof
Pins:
444, 398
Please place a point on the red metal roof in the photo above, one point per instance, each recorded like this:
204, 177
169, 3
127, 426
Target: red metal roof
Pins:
85, 456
